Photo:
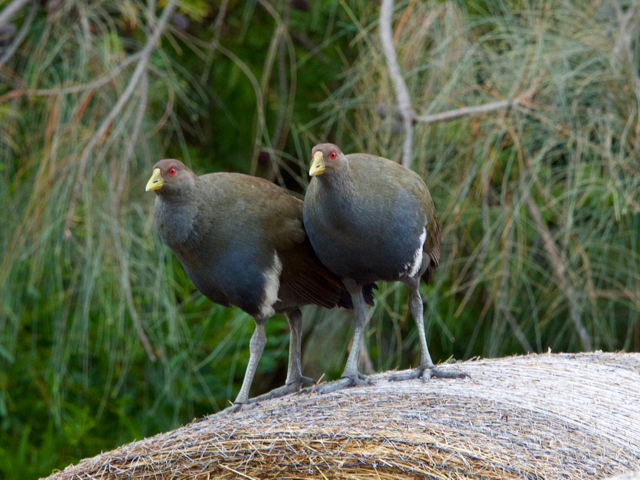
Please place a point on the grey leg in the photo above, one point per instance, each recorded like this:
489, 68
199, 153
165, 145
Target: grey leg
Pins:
294, 371
360, 312
256, 346
427, 369
351, 376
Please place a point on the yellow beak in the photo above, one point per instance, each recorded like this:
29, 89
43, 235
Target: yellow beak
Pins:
317, 165
156, 181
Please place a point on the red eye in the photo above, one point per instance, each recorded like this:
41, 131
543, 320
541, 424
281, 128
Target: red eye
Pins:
172, 171
332, 154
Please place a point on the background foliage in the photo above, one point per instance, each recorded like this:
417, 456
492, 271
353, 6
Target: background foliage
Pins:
103, 339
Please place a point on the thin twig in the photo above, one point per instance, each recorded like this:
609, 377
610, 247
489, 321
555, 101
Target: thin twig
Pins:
217, 26
559, 268
10, 10
287, 96
461, 112
145, 55
404, 101
46, 92
280, 131
124, 259
151, 14
261, 130
21, 34
128, 152
503, 303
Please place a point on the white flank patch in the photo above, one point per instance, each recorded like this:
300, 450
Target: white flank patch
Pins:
413, 266
271, 287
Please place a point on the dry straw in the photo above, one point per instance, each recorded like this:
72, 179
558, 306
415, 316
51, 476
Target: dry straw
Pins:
536, 416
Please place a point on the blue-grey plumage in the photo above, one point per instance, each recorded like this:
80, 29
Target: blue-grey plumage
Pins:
370, 219
369, 233
242, 242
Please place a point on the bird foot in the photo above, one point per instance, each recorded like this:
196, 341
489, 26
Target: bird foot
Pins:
291, 387
357, 380
427, 373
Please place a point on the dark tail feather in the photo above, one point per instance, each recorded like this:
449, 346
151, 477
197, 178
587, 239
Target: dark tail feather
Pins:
426, 276
367, 292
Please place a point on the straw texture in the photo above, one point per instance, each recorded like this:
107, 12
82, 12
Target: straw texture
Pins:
535, 416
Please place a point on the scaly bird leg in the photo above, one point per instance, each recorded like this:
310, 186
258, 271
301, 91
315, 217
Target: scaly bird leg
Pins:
256, 346
295, 379
351, 376
427, 369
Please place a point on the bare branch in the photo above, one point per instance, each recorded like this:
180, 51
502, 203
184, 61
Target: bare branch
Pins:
141, 68
402, 93
559, 268
461, 112
503, 303
10, 10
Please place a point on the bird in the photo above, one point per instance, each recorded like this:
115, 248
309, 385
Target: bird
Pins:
371, 219
242, 242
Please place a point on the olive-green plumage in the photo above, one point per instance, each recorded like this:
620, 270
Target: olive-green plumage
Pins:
371, 219
241, 240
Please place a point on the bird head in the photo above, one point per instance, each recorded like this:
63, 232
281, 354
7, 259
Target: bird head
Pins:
171, 176
326, 157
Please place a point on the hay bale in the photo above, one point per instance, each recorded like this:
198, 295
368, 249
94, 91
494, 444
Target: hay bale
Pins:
626, 476
535, 416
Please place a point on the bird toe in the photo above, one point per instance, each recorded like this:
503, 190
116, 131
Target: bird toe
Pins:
437, 373
308, 381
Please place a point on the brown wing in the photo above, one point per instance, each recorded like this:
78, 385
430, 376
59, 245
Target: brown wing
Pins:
304, 280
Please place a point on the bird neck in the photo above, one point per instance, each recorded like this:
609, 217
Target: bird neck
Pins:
175, 215
336, 192
338, 182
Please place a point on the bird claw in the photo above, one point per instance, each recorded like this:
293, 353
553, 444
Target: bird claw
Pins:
426, 373
356, 380
286, 389
436, 373
279, 392
308, 381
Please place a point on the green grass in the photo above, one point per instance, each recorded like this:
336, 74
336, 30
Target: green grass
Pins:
573, 152
84, 278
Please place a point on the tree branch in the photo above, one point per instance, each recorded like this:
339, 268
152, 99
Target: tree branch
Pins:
503, 295
138, 73
559, 268
402, 93
461, 112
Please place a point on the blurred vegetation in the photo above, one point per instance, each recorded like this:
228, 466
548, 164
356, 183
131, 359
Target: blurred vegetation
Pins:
104, 340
